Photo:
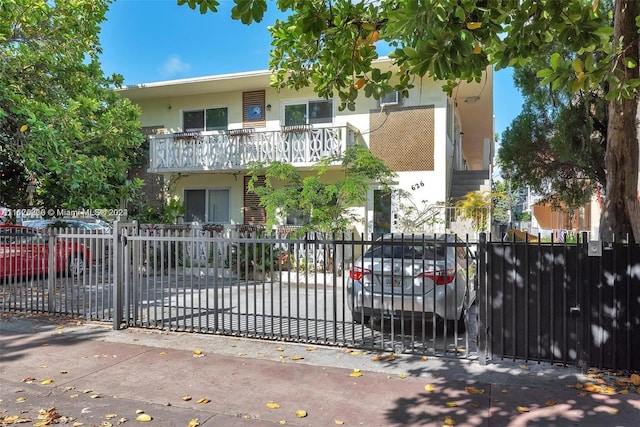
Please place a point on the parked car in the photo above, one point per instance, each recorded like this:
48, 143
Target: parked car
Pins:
413, 275
24, 251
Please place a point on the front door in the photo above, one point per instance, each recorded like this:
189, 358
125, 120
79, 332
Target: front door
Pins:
381, 212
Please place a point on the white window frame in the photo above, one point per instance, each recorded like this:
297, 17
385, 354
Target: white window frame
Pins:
306, 102
387, 101
204, 112
207, 219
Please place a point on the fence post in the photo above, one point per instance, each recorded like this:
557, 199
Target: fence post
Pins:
52, 271
117, 277
483, 298
583, 290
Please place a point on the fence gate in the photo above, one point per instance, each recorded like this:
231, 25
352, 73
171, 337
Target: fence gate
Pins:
575, 304
270, 287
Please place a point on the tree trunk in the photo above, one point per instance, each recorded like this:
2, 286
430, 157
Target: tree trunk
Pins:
622, 205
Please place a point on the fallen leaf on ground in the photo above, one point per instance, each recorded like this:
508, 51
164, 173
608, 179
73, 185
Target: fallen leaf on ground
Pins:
376, 358
203, 400
525, 367
143, 418
186, 398
522, 409
356, 373
429, 388
296, 358
46, 382
402, 376
47, 417
338, 422
449, 421
273, 405
613, 410
635, 379
424, 358
301, 413
451, 404
194, 422
14, 419
550, 402
473, 390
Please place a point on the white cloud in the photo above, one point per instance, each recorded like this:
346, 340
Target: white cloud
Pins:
174, 66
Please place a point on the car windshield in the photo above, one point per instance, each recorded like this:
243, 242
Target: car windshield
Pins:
407, 251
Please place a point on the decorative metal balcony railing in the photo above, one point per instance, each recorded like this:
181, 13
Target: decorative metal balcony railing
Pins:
236, 149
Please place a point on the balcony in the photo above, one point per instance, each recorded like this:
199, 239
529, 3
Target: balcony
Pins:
301, 146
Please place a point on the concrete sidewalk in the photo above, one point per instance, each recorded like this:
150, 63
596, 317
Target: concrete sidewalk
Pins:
87, 373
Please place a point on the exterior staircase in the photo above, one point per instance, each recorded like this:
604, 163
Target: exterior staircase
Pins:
464, 181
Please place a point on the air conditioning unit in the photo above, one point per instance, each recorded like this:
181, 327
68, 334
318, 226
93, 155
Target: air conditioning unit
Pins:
390, 99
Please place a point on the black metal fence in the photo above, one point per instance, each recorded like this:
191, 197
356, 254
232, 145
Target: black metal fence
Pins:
557, 302
575, 304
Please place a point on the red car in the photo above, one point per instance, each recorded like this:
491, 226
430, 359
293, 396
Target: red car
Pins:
24, 251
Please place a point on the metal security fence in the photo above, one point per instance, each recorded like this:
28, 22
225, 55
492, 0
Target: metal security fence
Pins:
65, 272
263, 286
243, 282
552, 302
569, 303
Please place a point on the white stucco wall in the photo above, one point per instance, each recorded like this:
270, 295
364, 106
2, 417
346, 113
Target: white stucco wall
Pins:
430, 186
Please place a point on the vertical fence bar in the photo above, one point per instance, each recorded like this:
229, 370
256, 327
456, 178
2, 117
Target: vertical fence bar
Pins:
564, 308
51, 275
483, 292
117, 276
539, 264
527, 285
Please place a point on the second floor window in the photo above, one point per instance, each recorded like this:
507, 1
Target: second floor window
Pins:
308, 112
209, 119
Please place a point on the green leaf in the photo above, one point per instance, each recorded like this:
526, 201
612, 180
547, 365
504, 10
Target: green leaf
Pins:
577, 85
555, 61
577, 65
544, 72
630, 62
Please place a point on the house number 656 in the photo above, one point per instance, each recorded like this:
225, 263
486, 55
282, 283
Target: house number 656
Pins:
418, 185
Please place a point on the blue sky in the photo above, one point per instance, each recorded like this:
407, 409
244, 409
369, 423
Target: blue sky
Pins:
155, 40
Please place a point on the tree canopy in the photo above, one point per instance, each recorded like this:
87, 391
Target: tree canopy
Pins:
66, 138
556, 145
331, 46
321, 205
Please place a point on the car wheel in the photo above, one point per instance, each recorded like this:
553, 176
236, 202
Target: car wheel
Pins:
361, 319
76, 265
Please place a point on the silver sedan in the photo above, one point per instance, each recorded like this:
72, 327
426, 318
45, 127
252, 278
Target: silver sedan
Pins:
413, 275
